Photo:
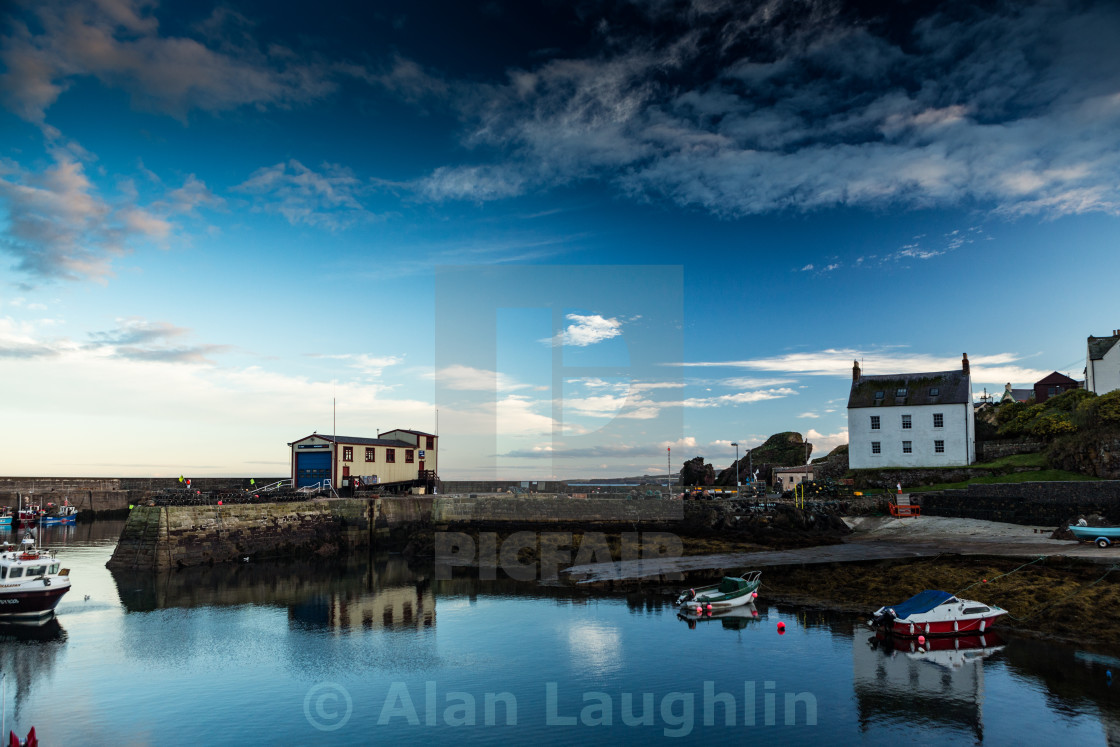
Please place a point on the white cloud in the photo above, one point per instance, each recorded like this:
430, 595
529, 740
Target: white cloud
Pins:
822, 444
587, 330
467, 378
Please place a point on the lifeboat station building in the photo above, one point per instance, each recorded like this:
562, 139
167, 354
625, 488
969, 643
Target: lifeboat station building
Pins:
396, 460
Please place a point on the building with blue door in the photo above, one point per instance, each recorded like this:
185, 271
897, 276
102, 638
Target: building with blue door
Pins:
399, 457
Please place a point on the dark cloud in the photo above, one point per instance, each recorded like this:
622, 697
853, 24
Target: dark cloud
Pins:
745, 108
120, 44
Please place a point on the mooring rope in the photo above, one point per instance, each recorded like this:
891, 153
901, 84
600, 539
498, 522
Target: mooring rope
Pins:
993, 578
1067, 596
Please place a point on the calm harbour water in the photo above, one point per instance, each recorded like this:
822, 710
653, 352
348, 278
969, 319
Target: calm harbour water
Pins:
374, 650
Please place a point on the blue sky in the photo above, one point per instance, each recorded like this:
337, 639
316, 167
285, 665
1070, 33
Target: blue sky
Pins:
584, 233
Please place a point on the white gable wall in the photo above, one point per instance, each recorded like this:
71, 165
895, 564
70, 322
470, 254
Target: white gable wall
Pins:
957, 432
1103, 376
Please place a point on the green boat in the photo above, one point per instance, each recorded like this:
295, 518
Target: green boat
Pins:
732, 591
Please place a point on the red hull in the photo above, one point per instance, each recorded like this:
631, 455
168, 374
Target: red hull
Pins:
945, 627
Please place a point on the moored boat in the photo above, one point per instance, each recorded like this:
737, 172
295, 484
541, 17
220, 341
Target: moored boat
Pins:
1103, 536
730, 592
64, 514
31, 583
936, 613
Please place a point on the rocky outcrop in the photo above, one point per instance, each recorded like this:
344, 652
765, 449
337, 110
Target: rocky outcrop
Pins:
787, 449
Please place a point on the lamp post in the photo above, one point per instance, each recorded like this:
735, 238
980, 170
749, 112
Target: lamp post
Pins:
736, 445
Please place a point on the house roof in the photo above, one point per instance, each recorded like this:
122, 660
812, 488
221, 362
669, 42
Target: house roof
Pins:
953, 388
357, 441
1056, 378
409, 430
804, 468
1099, 346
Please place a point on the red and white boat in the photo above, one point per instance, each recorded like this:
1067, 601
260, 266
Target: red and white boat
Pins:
936, 613
31, 584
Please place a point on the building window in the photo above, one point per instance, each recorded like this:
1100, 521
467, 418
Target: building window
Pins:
874, 422
370, 455
347, 453
939, 447
878, 395
907, 447
431, 442
408, 456
390, 455
905, 422
875, 448
938, 420
900, 392
934, 391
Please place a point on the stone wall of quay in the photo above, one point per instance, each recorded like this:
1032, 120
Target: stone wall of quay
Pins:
554, 510
99, 494
165, 537
1030, 503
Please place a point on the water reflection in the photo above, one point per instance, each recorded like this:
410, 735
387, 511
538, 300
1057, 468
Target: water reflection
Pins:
940, 683
27, 656
735, 618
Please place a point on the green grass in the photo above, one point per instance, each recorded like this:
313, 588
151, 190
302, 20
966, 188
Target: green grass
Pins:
1015, 460
1043, 475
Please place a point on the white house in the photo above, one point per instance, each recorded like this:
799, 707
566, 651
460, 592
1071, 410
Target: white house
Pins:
911, 420
1102, 364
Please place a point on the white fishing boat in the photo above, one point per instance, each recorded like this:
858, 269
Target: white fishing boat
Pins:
32, 582
732, 591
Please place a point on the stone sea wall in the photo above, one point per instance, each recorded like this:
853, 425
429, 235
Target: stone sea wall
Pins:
164, 537
1030, 503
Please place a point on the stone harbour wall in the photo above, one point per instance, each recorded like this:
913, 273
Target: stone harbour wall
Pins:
163, 537
454, 509
1030, 503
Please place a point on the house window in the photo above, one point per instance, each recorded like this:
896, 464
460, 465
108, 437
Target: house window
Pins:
907, 447
347, 453
939, 447
431, 442
938, 420
900, 392
934, 391
905, 422
875, 447
408, 456
874, 422
390, 455
370, 455
878, 395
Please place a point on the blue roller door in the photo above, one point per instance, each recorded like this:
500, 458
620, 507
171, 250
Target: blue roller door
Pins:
312, 468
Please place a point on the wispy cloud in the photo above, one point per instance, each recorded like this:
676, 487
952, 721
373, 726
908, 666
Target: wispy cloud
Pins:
328, 198
60, 227
996, 367
739, 109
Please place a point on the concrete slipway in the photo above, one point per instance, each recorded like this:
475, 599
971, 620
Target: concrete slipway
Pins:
872, 538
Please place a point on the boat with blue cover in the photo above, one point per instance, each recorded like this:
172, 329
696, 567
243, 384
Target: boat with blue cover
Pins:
933, 612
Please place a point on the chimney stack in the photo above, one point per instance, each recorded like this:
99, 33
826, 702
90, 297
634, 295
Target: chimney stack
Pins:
964, 364
855, 371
